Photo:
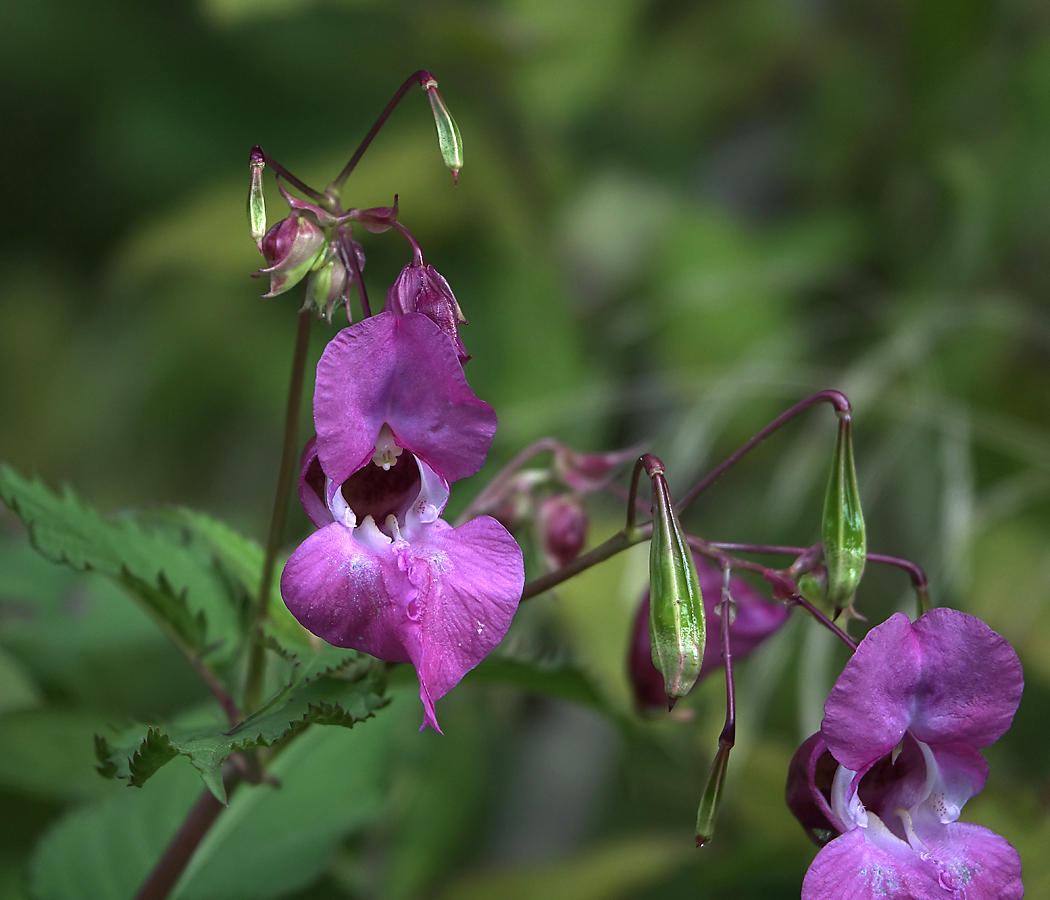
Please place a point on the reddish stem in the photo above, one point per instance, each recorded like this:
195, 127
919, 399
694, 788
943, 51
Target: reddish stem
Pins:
835, 398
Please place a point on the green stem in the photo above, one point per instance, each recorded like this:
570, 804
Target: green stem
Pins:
289, 457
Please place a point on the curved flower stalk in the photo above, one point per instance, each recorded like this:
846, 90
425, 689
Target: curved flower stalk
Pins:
385, 574
886, 778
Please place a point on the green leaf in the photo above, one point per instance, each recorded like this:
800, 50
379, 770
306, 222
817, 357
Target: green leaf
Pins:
309, 698
181, 585
268, 842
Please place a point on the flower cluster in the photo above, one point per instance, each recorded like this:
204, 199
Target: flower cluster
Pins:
385, 574
883, 782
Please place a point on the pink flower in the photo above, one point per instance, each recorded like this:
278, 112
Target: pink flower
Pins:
896, 759
385, 574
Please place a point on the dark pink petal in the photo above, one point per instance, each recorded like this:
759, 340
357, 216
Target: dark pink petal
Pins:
809, 780
871, 705
348, 591
973, 863
312, 487
852, 867
402, 371
467, 583
971, 680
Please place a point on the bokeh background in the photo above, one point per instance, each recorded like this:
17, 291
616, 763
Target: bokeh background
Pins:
674, 221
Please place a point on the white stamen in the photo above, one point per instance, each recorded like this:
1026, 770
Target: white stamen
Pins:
387, 451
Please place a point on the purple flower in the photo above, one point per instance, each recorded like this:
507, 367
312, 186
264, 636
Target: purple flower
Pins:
756, 619
385, 574
896, 759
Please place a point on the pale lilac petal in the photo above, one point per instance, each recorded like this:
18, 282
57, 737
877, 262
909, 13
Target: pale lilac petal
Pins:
954, 774
467, 583
871, 705
852, 867
348, 590
402, 371
971, 680
974, 863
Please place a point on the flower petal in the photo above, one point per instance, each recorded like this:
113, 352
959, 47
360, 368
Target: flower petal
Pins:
312, 486
870, 707
971, 680
974, 863
852, 867
347, 591
402, 371
468, 583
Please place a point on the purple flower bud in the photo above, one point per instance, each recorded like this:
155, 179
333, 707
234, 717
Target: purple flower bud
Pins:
587, 472
290, 248
562, 523
420, 288
756, 619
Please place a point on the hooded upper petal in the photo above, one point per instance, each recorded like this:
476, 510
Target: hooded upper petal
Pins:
401, 371
948, 679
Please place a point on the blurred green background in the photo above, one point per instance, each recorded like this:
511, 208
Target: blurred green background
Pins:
674, 221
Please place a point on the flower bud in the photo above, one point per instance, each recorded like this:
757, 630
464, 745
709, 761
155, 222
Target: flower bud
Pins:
256, 199
843, 525
291, 248
450, 142
677, 622
563, 528
587, 472
420, 288
326, 285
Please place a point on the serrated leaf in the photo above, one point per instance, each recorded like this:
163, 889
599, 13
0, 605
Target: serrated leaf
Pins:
180, 585
243, 558
269, 842
307, 699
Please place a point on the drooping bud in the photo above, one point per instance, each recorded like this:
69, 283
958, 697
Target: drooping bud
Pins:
256, 199
326, 284
677, 624
562, 523
449, 141
420, 288
711, 799
587, 472
291, 248
843, 525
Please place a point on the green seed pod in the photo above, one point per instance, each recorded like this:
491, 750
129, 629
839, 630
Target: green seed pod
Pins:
676, 608
711, 801
843, 526
448, 133
256, 200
